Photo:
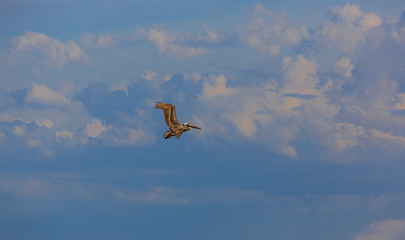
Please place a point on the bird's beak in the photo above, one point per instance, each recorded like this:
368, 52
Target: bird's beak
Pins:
191, 125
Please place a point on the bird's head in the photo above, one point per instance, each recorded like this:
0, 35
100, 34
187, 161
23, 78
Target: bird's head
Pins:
186, 124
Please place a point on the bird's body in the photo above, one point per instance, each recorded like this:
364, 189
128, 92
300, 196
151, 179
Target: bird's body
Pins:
175, 128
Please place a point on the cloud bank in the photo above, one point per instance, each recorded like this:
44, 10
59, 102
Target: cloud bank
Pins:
338, 86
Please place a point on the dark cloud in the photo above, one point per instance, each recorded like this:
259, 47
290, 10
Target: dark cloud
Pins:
100, 102
19, 96
180, 89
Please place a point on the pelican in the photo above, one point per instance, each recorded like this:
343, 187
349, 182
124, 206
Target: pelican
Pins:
175, 128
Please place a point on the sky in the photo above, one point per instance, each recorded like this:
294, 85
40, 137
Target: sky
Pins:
302, 105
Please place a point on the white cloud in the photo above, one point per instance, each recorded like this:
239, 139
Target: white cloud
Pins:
284, 137
397, 31
61, 136
120, 86
346, 27
42, 95
210, 36
268, 32
195, 76
19, 130
64, 136
70, 122
279, 113
169, 43
299, 76
95, 128
246, 115
216, 86
128, 136
47, 123
400, 105
342, 99
291, 102
390, 229
387, 136
149, 75
167, 77
104, 41
344, 66
348, 134
100, 42
47, 49
248, 109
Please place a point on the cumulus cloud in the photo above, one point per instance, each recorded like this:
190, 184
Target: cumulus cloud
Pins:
19, 130
95, 128
348, 135
28, 135
303, 100
217, 88
246, 116
195, 76
397, 29
387, 136
344, 66
40, 118
149, 75
400, 105
44, 96
97, 42
332, 93
299, 76
210, 36
128, 136
169, 43
347, 26
268, 31
46, 123
390, 229
248, 109
46, 49
64, 136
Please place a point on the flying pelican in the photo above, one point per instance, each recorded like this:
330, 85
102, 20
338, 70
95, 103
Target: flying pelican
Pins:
175, 128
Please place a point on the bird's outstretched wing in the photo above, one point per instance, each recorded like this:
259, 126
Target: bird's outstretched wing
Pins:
169, 111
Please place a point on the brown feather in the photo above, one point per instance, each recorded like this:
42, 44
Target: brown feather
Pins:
169, 111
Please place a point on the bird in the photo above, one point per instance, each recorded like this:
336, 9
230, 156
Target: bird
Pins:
175, 128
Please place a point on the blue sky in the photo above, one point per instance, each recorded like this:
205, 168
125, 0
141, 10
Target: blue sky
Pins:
302, 105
